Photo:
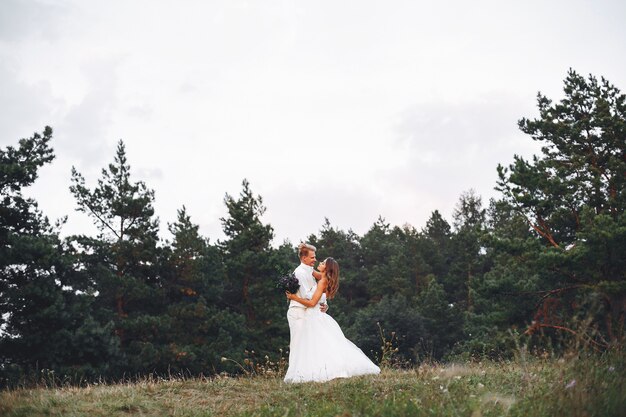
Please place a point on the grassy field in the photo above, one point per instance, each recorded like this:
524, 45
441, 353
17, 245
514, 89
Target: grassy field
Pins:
552, 387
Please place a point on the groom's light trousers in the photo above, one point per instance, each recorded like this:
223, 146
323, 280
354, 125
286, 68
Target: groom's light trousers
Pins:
295, 317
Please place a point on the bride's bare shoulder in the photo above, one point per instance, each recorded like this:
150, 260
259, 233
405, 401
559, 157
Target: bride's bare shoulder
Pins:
323, 282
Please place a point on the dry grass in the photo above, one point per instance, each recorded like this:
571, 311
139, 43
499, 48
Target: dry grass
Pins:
536, 388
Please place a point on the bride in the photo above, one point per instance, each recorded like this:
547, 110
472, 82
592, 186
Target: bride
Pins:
321, 352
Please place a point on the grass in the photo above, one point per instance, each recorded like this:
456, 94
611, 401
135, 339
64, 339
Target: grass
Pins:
592, 386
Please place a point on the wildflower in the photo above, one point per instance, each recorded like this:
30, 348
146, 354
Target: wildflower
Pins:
571, 384
224, 359
611, 368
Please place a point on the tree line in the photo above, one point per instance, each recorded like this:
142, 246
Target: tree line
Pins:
544, 263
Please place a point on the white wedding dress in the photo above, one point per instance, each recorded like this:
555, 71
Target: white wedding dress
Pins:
321, 352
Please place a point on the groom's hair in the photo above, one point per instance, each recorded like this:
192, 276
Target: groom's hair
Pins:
304, 248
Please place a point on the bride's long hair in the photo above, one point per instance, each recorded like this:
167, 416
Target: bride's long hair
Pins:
332, 275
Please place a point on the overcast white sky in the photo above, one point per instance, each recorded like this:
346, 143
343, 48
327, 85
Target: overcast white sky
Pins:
340, 109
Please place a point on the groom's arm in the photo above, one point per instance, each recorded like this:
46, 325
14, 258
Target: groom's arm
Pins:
302, 289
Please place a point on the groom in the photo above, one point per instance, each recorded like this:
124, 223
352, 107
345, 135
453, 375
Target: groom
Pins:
304, 272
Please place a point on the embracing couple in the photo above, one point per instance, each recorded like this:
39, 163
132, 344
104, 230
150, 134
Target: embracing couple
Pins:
318, 350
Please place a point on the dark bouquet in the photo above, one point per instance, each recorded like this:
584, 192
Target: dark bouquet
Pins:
288, 283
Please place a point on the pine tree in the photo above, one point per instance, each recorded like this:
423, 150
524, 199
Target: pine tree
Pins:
582, 162
46, 321
378, 246
202, 331
437, 246
573, 197
247, 254
123, 262
401, 324
467, 256
443, 322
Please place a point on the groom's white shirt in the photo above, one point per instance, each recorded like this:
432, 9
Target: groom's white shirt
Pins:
304, 273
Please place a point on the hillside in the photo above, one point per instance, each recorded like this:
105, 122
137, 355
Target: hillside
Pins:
538, 387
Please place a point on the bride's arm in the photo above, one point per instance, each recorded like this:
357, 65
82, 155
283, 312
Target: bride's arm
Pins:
317, 275
321, 286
